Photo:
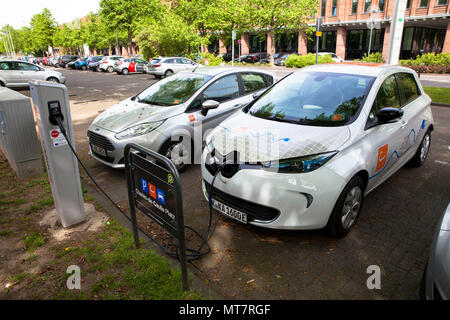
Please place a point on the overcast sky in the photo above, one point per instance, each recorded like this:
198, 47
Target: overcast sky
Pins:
18, 13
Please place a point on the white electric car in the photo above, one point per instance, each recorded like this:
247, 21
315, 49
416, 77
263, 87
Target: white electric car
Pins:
304, 153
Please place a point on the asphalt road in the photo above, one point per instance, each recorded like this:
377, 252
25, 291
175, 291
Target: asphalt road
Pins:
394, 231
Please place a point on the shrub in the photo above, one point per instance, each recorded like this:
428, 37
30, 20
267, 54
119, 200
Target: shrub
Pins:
429, 63
376, 57
202, 57
297, 61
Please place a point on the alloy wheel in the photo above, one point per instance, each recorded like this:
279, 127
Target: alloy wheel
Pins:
352, 206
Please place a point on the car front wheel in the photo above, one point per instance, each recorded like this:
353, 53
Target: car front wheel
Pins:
125, 71
110, 69
347, 208
52, 79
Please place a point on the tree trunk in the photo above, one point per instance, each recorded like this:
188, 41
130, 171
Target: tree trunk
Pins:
130, 43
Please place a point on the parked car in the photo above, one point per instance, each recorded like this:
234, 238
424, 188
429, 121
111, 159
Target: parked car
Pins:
130, 65
242, 58
64, 60
334, 56
314, 144
166, 66
71, 65
53, 61
227, 56
81, 64
94, 63
207, 95
280, 61
15, 73
258, 57
107, 63
435, 283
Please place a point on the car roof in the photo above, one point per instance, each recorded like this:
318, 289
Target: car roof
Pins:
214, 71
363, 70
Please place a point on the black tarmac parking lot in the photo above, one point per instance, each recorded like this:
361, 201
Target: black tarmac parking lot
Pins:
394, 231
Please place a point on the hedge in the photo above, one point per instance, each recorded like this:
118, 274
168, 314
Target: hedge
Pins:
297, 61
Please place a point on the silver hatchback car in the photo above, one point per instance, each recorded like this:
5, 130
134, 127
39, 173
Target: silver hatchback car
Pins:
167, 66
163, 116
15, 73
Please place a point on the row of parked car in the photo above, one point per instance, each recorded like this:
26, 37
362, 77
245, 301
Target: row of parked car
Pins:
159, 67
264, 57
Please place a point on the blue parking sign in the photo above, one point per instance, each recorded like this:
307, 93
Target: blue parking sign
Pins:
144, 186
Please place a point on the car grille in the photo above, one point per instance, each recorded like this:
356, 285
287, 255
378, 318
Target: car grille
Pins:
255, 212
100, 141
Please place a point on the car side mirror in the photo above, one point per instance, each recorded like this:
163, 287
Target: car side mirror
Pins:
209, 105
387, 115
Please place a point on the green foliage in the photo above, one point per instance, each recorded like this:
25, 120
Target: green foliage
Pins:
34, 240
43, 26
171, 36
429, 63
438, 95
297, 61
212, 59
376, 57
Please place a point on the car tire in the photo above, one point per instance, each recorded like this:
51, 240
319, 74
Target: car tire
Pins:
423, 284
53, 79
422, 152
168, 73
166, 150
2, 84
97, 69
125, 71
83, 68
157, 76
347, 209
110, 69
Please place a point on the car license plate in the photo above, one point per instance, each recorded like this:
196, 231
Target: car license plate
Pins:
230, 212
99, 150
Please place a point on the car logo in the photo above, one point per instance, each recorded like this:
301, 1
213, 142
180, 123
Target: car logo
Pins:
169, 178
382, 157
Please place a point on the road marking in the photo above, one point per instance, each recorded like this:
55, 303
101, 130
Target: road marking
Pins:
442, 162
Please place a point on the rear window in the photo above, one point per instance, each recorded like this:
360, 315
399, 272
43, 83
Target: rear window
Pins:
5, 66
253, 82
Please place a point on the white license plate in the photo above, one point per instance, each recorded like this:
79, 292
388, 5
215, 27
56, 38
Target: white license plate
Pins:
230, 212
99, 150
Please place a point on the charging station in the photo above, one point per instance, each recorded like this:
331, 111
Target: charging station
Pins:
50, 103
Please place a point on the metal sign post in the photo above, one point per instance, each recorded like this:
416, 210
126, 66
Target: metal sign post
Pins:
396, 31
154, 187
318, 35
233, 38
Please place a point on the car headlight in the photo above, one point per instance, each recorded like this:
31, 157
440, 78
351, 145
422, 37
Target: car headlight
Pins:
138, 130
300, 164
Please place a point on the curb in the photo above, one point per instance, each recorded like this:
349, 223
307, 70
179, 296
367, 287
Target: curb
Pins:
440, 105
195, 282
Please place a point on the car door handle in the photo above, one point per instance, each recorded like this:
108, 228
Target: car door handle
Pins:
404, 124
236, 106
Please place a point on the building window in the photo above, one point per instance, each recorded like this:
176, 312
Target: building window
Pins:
423, 4
442, 2
334, 8
324, 5
408, 4
381, 5
354, 6
366, 6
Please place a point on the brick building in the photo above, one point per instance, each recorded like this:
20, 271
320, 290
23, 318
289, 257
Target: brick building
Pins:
346, 29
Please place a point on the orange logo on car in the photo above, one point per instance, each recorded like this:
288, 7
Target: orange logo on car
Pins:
382, 157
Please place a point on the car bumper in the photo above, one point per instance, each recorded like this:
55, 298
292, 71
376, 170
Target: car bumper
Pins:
156, 72
303, 201
114, 148
62, 80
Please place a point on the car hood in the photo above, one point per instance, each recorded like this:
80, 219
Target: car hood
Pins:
257, 139
128, 113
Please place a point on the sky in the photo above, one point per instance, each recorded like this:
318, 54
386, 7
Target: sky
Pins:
18, 13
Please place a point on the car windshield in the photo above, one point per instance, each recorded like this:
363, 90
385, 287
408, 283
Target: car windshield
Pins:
173, 90
314, 98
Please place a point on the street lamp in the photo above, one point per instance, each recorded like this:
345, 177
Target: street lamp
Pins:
372, 24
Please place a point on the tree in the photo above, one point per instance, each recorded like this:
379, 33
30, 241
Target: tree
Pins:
130, 16
43, 26
170, 36
279, 16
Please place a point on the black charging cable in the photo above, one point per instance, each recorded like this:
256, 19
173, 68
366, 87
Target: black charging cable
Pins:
193, 254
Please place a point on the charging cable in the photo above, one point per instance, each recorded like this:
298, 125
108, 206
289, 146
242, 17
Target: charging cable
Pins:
193, 254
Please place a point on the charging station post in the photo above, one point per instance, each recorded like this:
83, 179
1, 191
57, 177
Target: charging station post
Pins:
50, 103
